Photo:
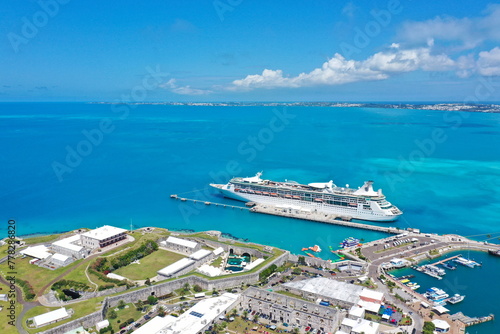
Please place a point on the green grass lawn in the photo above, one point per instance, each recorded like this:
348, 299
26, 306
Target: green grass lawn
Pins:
123, 315
240, 326
37, 276
217, 262
149, 265
139, 239
81, 309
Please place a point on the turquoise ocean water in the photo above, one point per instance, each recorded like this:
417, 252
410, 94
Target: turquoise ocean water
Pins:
442, 169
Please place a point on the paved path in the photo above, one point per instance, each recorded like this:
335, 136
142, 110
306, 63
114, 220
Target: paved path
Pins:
26, 306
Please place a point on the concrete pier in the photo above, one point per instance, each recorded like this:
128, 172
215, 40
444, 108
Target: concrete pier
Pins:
319, 217
183, 199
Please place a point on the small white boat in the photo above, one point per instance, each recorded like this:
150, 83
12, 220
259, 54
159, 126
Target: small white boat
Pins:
456, 299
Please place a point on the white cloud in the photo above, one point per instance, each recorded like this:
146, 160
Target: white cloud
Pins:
466, 66
488, 63
339, 70
183, 90
467, 33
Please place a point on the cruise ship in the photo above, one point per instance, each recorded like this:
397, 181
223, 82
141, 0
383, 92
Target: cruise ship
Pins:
363, 203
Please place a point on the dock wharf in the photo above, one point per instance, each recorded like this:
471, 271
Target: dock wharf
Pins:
446, 260
319, 217
184, 199
468, 321
423, 270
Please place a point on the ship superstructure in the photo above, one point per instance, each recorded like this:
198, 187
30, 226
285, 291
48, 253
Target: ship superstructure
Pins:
362, 203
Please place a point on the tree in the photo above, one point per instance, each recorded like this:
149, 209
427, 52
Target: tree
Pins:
245, 314
295, 330
152, 300
429, 327
256, 317
302, 260
234, 312
112, 314
186, 287
139, 305
148, 281
297, 271
162, 312
121, 304
197, 288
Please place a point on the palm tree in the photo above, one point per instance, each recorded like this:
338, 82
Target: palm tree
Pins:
234, 312
256, 317
245, 314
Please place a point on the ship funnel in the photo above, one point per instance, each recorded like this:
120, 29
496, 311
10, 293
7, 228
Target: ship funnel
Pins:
366, 189
368, 186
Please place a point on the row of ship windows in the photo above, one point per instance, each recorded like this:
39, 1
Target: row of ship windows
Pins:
309, 197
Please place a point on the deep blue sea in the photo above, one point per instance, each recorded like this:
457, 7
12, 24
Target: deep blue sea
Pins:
441, 168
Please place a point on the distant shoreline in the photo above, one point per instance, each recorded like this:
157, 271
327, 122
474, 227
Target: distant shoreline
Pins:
466, 107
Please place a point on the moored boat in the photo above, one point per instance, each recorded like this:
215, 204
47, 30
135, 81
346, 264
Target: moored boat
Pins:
455, 299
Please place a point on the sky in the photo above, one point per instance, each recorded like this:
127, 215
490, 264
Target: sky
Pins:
242, 50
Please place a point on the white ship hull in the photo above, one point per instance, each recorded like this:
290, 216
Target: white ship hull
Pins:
352, 212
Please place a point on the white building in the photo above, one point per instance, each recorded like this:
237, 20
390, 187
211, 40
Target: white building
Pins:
79, 330
372, 296
356, 312
71, 246
200, 255
102, 324
218, 251
103, 236
359, 326
181, 245
330, 290
209, 270
38, 252
175, 267
441, 326
115, 276
193, 321
50, 317
61, 260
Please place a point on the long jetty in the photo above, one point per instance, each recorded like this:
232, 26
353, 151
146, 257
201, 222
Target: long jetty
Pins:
319, 217
447, 259
184, 199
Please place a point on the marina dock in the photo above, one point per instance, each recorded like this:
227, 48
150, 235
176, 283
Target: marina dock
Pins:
446, 260
319, 217
468, 321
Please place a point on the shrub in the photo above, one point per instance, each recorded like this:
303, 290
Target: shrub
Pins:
29, 294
